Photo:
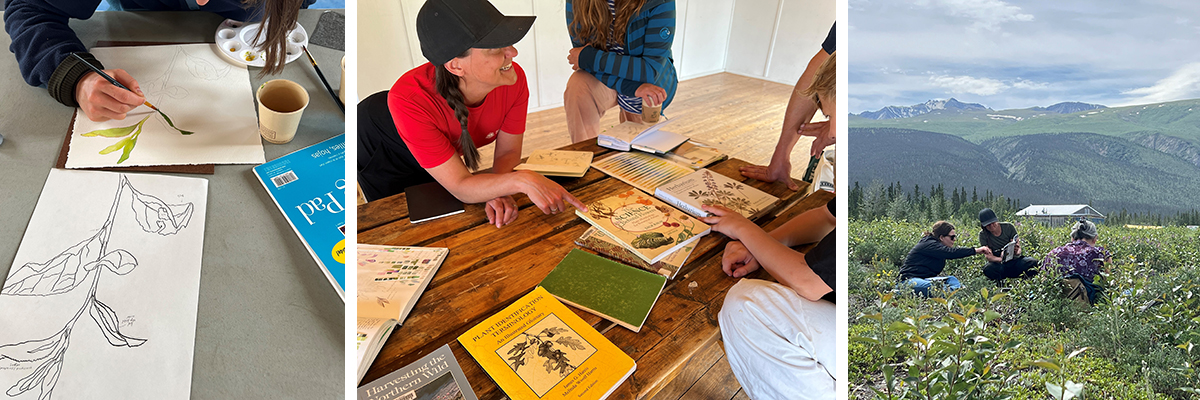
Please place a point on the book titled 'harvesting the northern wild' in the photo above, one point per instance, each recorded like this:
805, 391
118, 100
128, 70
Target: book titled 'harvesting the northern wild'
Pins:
707, 188
649, 228
436, 376
612, 290
308, 186
537, 348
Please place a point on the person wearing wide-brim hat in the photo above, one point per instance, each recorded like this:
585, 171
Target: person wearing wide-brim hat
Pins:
470, 94
1079, 262
994, 235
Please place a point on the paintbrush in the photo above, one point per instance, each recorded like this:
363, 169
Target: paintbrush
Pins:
111, 80
326, 82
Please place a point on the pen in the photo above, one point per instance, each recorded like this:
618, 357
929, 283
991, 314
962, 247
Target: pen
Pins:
327, 87
110, 79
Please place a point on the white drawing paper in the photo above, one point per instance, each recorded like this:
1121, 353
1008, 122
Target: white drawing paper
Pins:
100, 302
198, 91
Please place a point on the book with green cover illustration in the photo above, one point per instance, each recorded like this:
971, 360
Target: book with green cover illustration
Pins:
606, 245
649, 228
614, 291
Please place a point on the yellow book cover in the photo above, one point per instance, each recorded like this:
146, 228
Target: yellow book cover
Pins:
558, 162
537, 348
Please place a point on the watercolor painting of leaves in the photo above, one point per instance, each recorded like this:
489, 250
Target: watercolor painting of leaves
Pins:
130, 135
74, 273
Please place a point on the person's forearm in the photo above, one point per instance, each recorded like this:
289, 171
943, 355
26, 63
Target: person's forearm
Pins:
786, 265
505, 161
800, 109
808, 227
481, 187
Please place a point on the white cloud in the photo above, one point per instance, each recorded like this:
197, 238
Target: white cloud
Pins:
1183, 84
967, 84
986, 14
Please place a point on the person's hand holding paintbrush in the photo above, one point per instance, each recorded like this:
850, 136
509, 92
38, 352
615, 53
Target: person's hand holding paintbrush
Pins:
102, 101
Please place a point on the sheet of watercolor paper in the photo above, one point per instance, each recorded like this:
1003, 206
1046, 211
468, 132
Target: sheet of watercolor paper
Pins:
197, 90
100, 302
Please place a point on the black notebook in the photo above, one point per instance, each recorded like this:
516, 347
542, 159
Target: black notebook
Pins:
430, 201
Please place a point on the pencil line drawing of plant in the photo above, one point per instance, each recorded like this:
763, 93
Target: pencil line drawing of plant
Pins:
78, 268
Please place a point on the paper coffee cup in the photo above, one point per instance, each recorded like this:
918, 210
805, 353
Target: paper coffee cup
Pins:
651, 112
280, 104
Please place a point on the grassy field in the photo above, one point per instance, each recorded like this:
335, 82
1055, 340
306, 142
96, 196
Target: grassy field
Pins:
1026, 341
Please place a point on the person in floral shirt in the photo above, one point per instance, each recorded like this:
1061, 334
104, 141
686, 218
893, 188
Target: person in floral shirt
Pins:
1079, 261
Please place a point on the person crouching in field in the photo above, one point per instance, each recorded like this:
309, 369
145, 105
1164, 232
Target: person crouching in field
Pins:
928, 258
1079, 262
995, 235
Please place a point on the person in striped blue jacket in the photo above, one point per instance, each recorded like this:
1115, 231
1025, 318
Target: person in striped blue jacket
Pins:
621, 56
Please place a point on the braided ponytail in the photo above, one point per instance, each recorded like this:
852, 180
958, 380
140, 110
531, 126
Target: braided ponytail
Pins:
447, 87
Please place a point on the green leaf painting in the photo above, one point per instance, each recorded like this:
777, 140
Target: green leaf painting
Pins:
130, 135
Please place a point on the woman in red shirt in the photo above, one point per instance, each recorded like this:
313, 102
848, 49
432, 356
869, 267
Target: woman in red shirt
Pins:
469, 94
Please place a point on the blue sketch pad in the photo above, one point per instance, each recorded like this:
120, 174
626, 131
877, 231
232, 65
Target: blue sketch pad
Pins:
308, 186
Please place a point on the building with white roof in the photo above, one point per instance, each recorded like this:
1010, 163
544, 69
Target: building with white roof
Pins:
1057, 215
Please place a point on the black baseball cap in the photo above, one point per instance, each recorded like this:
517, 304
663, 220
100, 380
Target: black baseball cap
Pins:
447, 28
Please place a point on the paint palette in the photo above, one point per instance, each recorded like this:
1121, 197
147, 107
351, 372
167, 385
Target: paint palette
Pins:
235, 41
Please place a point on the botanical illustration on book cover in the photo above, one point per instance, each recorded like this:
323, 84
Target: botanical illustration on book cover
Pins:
655, 225
546, 353
560, 157
714, 194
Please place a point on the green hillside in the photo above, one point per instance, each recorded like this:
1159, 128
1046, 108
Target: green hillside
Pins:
1179, 119
1109, 172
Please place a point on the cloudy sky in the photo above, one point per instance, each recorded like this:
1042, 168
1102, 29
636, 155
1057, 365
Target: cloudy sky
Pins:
1019, 54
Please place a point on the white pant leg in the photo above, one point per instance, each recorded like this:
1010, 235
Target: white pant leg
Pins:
779, 345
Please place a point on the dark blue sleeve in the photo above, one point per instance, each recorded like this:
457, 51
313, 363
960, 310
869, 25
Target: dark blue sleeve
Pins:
830, 44
40, 36
938, 250
625, 73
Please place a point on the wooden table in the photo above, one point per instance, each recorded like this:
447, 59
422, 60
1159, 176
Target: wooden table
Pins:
489, 268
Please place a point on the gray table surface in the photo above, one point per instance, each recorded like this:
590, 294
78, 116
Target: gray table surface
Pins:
269, 324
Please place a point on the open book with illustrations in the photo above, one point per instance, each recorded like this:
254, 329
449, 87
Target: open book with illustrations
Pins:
631, 135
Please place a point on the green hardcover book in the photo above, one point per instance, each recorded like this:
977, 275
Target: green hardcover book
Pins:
614, 291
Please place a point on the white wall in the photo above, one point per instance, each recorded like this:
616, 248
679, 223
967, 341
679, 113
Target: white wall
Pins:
769, 39
774, 39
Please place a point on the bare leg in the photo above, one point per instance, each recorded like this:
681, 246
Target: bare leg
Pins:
585, 101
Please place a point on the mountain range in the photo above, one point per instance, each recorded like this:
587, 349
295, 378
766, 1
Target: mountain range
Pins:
1143, 158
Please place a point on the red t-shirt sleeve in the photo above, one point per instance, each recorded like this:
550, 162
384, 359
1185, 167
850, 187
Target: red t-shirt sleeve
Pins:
418, 125
514, 119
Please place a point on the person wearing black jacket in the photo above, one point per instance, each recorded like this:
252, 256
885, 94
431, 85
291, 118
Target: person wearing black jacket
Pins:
928, 258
